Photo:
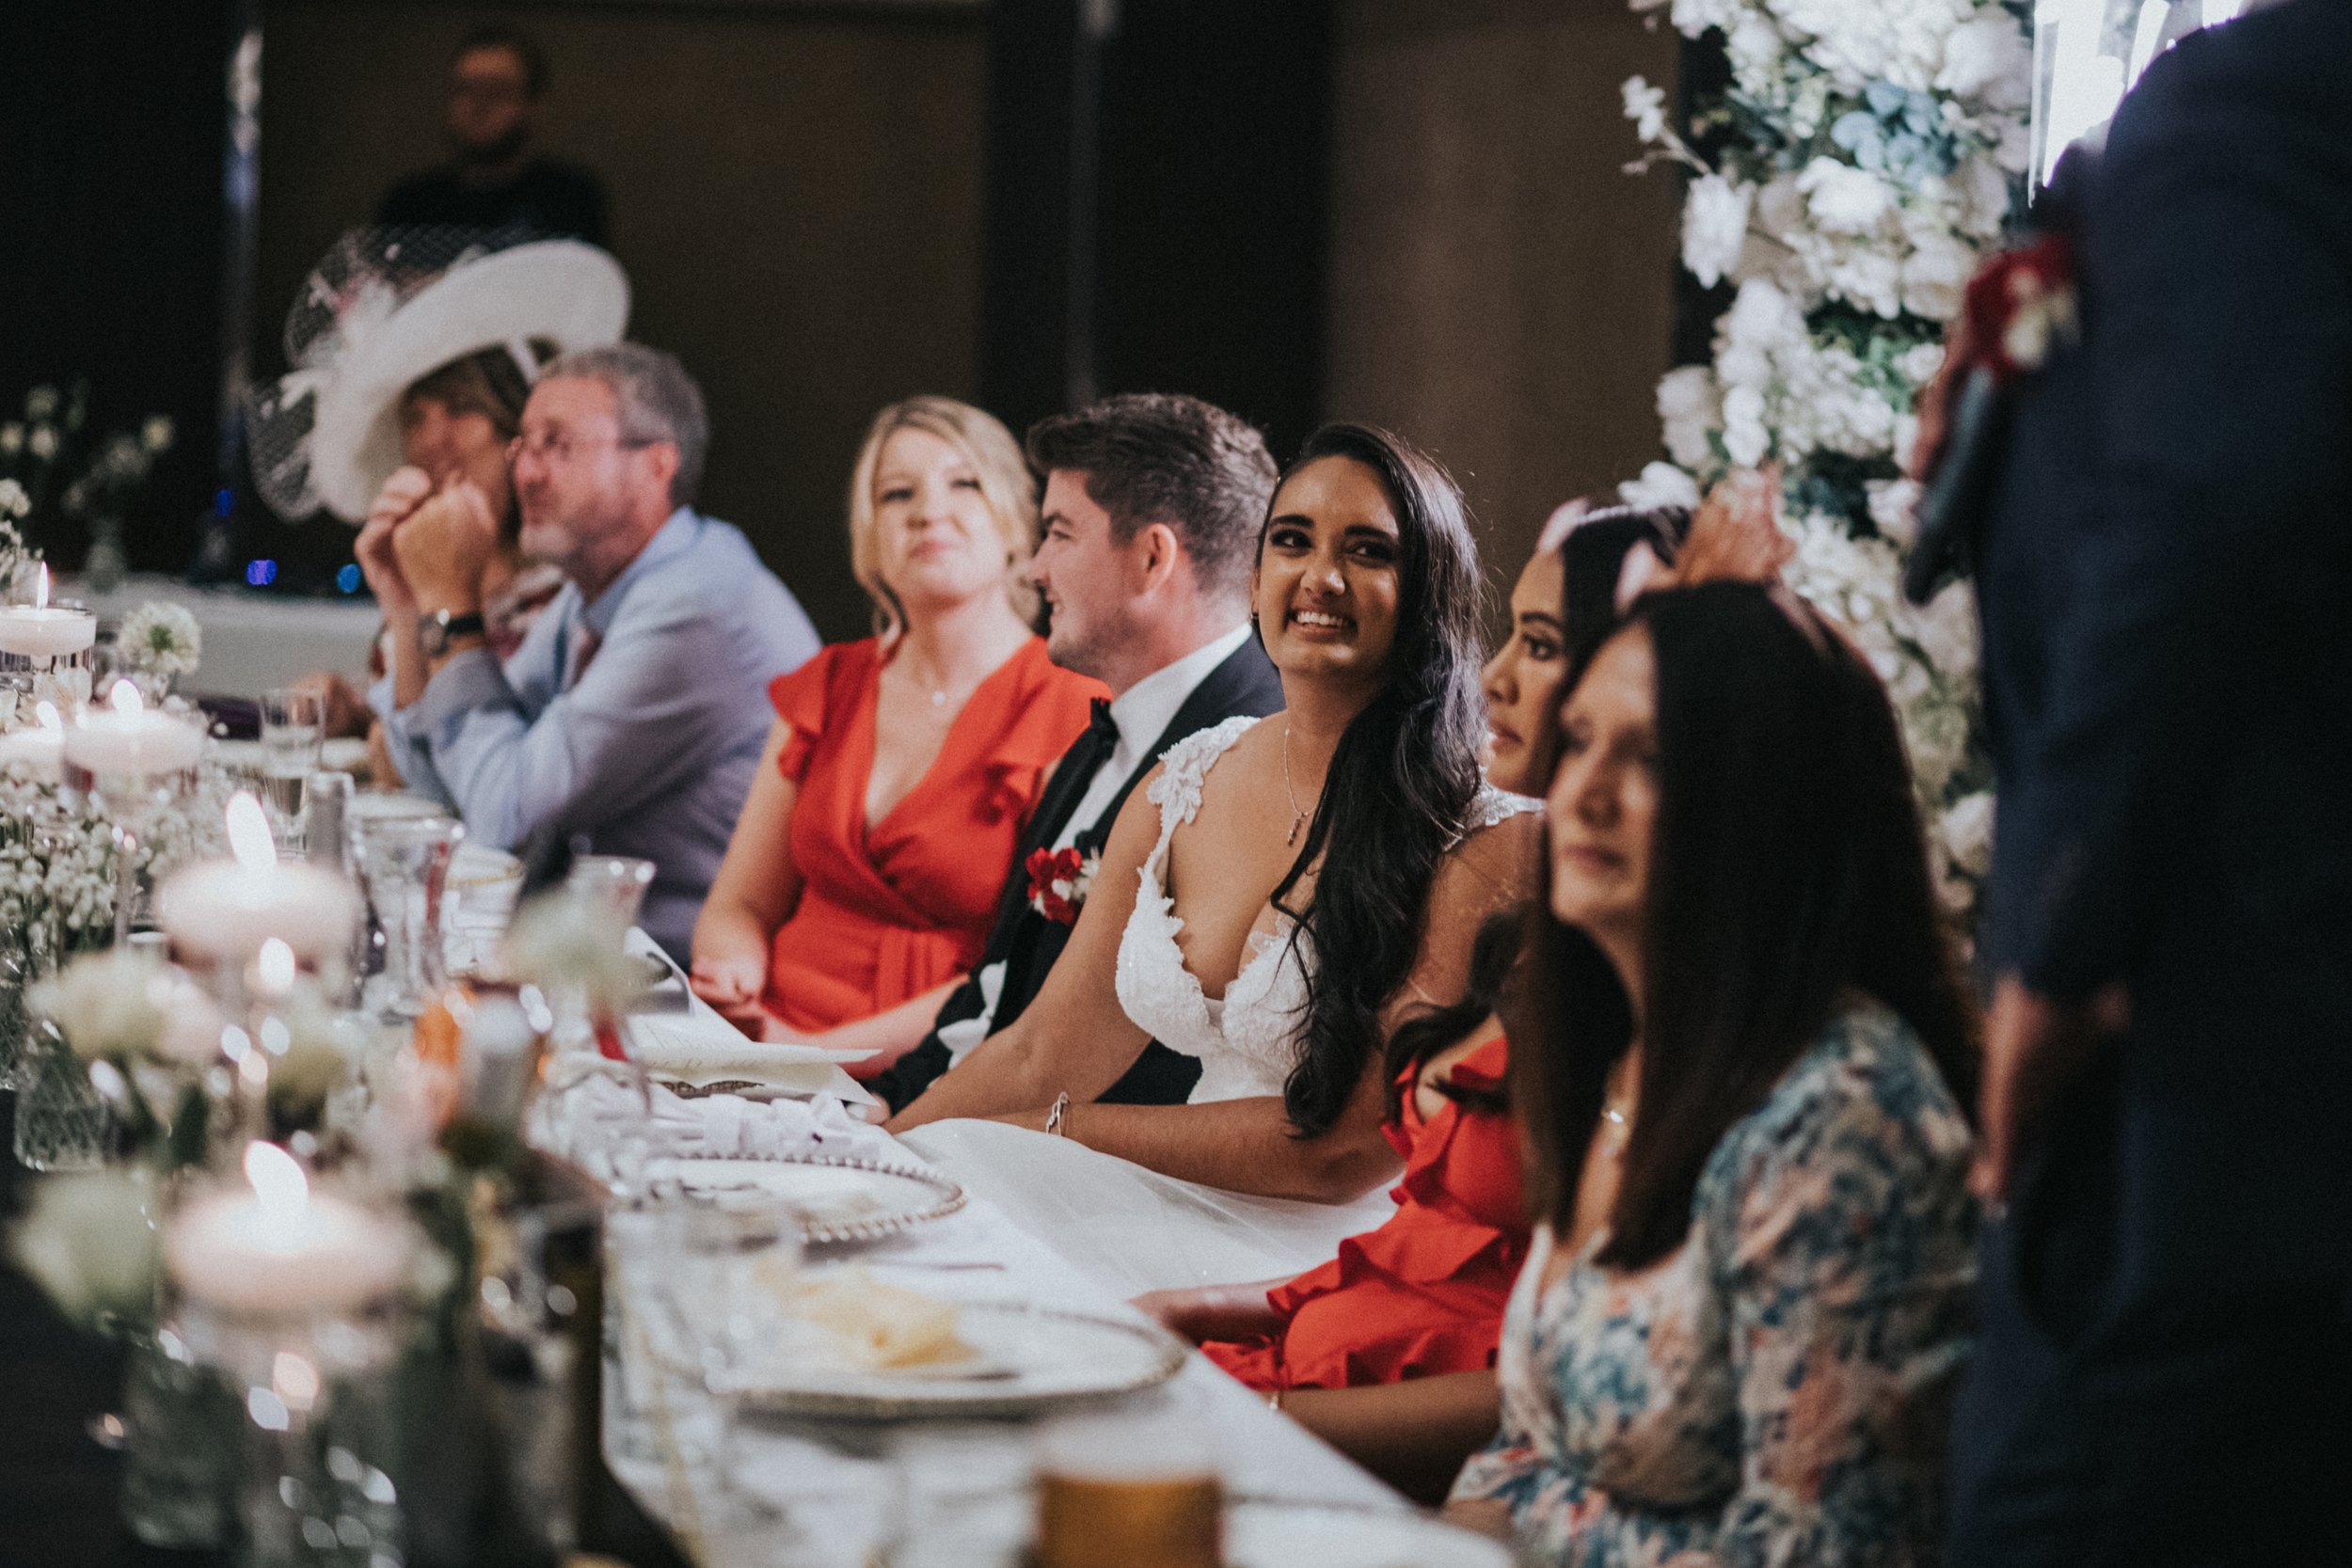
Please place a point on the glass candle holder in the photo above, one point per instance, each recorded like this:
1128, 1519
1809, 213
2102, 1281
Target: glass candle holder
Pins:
403, 863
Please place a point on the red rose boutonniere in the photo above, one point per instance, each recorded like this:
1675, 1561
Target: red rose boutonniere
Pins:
1059, 879
2020, 304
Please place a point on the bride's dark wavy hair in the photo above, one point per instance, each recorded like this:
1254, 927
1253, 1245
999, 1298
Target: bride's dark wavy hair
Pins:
1401, 784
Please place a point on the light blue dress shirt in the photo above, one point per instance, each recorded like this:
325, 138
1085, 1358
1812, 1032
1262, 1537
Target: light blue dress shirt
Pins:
651, 751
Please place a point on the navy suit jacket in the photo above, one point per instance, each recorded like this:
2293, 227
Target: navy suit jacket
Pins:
2166, 579
1028, 944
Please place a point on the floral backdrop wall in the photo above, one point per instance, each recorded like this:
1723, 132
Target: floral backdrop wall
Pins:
1863, 157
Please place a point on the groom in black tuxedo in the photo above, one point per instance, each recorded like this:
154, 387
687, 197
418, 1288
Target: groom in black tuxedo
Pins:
1153, 506
2164, 1368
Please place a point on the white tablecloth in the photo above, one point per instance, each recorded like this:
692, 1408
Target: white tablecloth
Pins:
843, 1492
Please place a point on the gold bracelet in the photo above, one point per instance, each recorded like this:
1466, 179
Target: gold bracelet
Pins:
1059, 1109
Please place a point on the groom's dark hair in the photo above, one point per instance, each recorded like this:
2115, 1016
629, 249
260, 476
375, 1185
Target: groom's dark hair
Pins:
1162, 457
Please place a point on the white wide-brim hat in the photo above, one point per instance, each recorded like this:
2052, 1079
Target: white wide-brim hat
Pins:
383, 337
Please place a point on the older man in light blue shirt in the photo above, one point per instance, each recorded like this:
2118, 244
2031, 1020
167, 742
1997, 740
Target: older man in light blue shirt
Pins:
631, 719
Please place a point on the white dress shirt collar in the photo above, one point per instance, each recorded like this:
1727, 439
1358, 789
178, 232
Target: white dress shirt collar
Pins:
1149, 707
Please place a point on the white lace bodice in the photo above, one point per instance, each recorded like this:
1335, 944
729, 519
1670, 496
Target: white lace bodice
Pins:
1247, 1041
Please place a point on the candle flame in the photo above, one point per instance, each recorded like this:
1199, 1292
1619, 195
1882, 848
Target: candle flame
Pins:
249, 834
274, 966
50, 722
124, 698
40, 587
279, 1185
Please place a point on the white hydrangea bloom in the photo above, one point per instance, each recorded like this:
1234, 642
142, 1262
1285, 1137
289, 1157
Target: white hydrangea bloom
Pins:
1714, 226
1690, 406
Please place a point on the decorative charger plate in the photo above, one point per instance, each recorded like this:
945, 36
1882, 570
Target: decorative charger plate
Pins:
840, 1197
1261, 1533
1036, 1357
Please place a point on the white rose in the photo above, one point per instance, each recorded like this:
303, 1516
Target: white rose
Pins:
1690, 408
1745, 438
1946, 629
1869, 279
1894, 509
1920, 362
1714, 226
1842, 199
1754, 45
1988, 58
1661, 484
90, 1242
1934, 274
1966, 831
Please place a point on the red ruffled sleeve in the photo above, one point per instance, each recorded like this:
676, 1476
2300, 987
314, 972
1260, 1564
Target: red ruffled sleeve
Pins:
1050, 707
827, 684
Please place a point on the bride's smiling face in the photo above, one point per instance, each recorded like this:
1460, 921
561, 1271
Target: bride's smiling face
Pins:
1327, 585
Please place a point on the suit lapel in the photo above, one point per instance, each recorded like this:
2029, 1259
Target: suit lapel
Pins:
1244, 683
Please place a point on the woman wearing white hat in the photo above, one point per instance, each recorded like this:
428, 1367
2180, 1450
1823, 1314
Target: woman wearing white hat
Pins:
417, 351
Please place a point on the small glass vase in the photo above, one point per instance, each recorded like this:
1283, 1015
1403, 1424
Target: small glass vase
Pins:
61, 1123
180, 1455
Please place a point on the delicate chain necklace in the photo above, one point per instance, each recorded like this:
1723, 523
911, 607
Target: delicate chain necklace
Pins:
1298, 817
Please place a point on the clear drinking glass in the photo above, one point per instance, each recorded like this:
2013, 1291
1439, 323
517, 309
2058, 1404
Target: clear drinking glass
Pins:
403, 863
294, 731
695, 1290
616, 881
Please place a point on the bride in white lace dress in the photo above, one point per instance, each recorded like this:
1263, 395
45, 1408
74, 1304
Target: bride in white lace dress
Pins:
1278, 896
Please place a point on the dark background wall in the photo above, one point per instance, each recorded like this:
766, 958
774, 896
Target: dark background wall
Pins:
1407, 210
1498, 287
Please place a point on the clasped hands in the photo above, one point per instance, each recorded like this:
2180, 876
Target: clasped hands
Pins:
732, 986
424, 546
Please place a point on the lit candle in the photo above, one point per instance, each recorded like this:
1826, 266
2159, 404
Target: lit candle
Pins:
279, 1249
231, 908
37, 632
129, 741
40, 751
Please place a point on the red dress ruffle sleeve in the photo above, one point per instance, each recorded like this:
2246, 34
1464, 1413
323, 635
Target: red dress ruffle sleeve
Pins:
1424, 1294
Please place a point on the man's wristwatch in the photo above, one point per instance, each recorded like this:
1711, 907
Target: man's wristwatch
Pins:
440, 629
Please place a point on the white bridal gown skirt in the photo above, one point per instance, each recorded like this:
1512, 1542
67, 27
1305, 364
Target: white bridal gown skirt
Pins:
1132, 1229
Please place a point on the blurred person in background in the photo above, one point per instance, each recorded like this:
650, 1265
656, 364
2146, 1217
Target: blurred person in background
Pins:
496, 181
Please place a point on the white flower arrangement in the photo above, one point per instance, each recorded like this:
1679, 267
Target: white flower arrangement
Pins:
57, 854
161, 641
1865, 158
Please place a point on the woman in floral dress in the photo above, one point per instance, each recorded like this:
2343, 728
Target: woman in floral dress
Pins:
1740, 1073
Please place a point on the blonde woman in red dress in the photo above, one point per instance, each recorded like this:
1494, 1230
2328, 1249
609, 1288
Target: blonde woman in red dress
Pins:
863, 873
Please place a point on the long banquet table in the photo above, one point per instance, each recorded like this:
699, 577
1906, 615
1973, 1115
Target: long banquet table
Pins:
845, 1487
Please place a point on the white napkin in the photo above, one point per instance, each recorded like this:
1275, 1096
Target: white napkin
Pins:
600, 1116
703, 1048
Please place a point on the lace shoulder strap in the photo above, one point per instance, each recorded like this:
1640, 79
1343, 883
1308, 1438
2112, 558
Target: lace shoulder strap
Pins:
1183, 767
1490, 806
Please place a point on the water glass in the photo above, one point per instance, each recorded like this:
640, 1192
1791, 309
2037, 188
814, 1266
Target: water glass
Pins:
616, 881
293, 732
404, 865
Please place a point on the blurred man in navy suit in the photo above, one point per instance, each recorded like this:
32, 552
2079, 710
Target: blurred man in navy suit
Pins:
2165, 570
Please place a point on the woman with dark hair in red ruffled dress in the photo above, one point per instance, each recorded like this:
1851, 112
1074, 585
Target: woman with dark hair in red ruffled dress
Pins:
1388, 1351
864, 870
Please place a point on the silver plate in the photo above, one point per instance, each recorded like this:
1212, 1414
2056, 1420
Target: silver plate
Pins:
1042, 1357
906, 1195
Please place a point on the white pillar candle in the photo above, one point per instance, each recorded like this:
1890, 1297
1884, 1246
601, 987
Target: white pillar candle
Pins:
128, 740
277, 1249
37, 631
228, 909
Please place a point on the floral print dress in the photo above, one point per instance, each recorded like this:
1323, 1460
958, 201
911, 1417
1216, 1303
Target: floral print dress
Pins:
1775, 1391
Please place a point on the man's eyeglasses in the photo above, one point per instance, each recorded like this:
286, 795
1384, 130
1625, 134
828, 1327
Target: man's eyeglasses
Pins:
563, 449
